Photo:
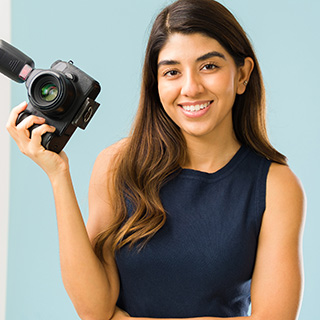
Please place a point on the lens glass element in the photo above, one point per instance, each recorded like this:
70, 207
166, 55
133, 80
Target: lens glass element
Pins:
49, 92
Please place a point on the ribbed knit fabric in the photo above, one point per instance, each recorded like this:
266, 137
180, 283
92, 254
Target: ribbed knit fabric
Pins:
201, 262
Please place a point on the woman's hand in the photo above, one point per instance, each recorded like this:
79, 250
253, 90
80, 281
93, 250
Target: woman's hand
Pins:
30, 145
120, 315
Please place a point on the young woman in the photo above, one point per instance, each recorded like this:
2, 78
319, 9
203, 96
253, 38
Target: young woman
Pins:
195, 214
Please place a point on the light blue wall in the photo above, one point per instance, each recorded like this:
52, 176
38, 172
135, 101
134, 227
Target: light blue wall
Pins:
107, 39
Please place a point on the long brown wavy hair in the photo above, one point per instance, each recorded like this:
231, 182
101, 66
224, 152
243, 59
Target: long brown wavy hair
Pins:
156, 148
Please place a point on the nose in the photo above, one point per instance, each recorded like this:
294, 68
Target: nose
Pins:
192, 85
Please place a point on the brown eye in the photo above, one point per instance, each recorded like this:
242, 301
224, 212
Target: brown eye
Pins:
209, 66
171, 73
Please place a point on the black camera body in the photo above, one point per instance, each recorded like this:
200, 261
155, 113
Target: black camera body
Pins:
63, 95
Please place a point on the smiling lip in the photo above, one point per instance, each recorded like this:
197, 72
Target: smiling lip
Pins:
195, 109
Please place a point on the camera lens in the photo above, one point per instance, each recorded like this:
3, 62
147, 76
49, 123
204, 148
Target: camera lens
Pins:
49, 92
52, 93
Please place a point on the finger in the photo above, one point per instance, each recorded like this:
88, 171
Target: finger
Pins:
28, 122
37, 133
14, 115
22, 132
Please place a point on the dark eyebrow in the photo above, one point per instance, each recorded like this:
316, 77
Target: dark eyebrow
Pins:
202, 58
211, 55
167, 63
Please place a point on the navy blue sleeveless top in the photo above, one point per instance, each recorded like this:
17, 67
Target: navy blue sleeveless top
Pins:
201, 262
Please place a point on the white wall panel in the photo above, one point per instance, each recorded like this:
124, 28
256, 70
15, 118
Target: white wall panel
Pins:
5, 34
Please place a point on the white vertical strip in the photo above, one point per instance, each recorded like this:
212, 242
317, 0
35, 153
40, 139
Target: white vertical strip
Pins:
5, 93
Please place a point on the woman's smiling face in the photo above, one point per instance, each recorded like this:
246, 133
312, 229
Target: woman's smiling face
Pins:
198, 81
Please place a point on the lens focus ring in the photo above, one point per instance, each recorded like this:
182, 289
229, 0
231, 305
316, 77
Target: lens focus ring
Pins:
52, 93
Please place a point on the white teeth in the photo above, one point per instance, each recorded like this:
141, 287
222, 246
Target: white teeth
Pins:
196, 107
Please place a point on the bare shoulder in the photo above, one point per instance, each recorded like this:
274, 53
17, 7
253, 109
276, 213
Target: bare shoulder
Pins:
282, 182
113, 149
105, 162
285, 197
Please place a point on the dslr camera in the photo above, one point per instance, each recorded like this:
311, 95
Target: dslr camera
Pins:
63, 95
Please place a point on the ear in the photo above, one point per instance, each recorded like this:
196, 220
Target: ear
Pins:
244, 73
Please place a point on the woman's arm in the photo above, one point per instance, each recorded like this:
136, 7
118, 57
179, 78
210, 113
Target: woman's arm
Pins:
92, 287
277, 282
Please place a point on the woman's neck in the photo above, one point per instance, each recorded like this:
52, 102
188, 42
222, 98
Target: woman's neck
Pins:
210, 156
